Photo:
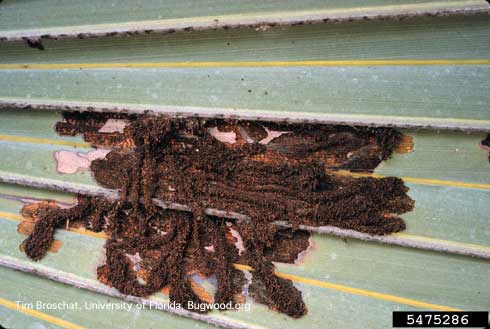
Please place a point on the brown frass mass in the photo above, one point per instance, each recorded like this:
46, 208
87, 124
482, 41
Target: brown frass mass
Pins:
291, 178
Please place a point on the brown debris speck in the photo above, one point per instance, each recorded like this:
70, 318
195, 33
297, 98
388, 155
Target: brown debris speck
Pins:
34, 43
486, 143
